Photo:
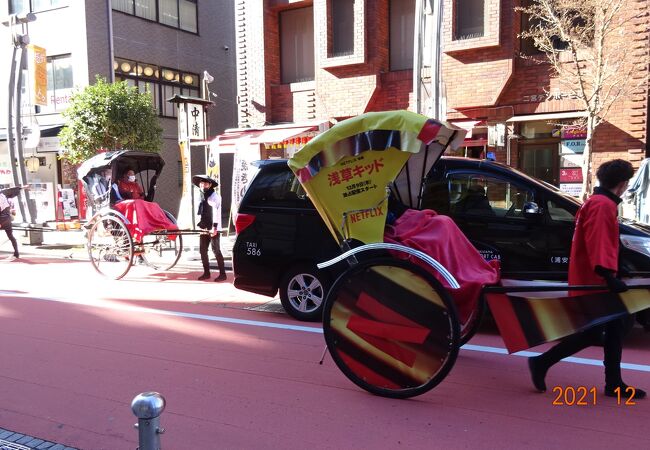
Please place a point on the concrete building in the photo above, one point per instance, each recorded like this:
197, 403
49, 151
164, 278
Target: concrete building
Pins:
164, 45
300, 62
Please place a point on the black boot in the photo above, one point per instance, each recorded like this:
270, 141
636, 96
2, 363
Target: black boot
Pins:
205, 276
537, 373
222, 277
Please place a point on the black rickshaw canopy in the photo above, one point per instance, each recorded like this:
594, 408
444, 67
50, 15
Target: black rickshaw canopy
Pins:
119, 161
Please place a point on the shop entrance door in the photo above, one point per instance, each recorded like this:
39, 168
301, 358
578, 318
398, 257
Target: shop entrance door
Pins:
540, 161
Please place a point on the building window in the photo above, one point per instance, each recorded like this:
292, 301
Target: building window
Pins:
297, 45
24, 6
342, 27
59, 83
402, 25
187, 15
146, 9
161, 83
169, 12
174, 13
469, 19
527, 45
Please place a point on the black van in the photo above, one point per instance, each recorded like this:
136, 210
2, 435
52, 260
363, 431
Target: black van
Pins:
525, 223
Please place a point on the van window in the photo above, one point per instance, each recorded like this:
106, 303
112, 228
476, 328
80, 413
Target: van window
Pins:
276, 188
558, 213
476, 195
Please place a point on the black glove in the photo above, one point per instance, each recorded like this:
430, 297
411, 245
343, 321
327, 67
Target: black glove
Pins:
614, 284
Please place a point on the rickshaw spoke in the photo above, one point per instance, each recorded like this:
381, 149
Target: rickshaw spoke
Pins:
161, 252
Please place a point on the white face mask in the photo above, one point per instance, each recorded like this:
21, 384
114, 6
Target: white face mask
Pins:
132, 178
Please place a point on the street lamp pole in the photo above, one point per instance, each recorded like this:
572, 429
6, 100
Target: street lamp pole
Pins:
14, 140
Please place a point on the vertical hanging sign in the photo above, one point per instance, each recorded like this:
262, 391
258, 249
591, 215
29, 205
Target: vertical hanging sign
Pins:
38, 69
196, 128
191, 127
185, 210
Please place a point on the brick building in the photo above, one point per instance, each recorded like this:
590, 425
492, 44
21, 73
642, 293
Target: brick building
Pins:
319, 61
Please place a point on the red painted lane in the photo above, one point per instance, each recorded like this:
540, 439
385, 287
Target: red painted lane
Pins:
69, 371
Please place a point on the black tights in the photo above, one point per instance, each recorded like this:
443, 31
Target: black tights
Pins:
609, 334
6, 226
205, 241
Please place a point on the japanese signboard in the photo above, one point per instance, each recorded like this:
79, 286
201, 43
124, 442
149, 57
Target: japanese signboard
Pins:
243, 171
571, 175
195, 121
571, 188
38, 70
572, 146
191, 121
571, 160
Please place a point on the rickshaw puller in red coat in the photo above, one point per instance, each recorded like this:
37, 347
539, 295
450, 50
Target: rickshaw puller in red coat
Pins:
594, 261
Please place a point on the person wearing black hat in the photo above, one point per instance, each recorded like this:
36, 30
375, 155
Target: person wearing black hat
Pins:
6, 213
210, 214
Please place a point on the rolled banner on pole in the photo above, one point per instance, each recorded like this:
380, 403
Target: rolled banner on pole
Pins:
185, 210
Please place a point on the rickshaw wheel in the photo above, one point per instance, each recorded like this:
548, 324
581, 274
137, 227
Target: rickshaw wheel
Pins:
162, 252
469, 328
391, 327
110, 247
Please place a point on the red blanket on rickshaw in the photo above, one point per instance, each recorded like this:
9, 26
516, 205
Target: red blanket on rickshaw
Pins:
439, 237
144, 217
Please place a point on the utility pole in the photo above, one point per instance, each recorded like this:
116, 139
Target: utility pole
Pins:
435, 8
19, 42
417, 55
428, 23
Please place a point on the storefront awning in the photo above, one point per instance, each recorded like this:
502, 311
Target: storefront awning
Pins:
548, 116
46, 131
262, 136
469, 125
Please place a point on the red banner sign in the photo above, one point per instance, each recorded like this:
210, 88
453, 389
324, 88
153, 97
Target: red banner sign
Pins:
571, 175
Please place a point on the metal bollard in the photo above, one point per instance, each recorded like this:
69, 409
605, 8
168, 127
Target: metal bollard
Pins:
148, 407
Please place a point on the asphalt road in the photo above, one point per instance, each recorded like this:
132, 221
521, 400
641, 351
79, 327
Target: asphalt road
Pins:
76, 348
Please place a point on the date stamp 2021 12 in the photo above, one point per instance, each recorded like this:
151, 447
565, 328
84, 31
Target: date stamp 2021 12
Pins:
586, 396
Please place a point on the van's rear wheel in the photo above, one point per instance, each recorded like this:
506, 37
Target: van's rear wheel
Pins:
302, 292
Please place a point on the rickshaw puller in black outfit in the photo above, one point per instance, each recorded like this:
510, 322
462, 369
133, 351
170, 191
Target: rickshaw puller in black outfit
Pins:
210, 214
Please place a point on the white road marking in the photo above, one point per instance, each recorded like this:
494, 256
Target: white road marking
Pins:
571, 359
317, 330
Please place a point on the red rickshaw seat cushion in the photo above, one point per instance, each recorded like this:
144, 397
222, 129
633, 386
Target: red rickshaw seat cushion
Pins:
144, 217
439, 237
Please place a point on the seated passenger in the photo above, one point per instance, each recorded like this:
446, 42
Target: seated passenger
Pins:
475, 201
100, 189
129, 188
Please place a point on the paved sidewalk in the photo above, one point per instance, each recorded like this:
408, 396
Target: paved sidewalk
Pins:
71, 244
10, 440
